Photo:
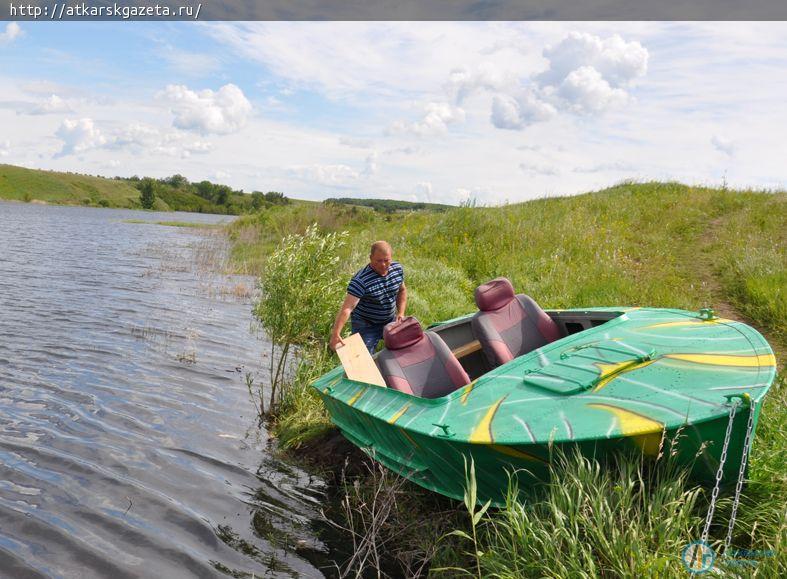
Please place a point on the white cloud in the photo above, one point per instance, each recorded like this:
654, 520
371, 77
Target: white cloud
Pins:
586, 74
207, 112
584, 90
539, 169
79, 136
509, 112
330, 175
617, 61
355, 143
12, 32
435, 122
83, 135
54, 104
723, 145
5, 148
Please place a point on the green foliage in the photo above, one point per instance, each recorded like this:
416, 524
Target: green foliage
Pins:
387, 205
147, 193
173, 193
625, 519
300, 289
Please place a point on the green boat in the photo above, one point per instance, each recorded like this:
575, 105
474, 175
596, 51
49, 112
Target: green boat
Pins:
602, 380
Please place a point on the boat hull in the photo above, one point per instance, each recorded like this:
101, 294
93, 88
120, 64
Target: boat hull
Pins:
651, 382
438, 463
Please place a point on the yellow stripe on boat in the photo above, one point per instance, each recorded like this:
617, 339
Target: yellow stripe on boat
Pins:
398, 414
694, 322
611, 371
507, 450
727, 359
466, 393
355, 398
482, 433
644, 431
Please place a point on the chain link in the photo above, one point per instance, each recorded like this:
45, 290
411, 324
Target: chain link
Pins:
720, 472
741, 475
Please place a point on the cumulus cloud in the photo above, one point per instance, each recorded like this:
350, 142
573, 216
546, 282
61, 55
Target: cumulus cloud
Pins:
54, 104
437, 117
618, 61
510, 112
207, 112
82, 135
723, 145
462, 82
585, 90
79, 136
590, 74
12, 32
586, 74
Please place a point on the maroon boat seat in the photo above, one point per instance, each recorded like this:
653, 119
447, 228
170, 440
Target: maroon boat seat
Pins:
509, 325
418, 362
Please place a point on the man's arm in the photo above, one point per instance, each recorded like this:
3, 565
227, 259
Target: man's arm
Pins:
401, 302
350, 301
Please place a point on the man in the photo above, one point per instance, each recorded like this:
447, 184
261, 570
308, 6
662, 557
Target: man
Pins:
376, 295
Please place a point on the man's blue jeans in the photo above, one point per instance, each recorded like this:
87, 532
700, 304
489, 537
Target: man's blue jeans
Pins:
371, 333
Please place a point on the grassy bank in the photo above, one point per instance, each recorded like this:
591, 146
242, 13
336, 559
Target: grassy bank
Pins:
31, 185
649, 244
174, 193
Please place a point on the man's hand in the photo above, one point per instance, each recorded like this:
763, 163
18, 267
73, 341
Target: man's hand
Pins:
399, 318
336, 342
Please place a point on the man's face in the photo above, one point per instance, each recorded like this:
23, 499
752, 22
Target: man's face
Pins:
380, 261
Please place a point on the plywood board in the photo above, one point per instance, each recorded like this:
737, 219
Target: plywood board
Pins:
357, 361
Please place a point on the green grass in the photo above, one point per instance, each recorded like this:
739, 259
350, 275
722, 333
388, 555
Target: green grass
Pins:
28, 185
635, 244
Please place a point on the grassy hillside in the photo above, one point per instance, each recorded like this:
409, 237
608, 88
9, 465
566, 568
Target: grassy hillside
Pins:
174, 193
659, 244
21, 184
647, 244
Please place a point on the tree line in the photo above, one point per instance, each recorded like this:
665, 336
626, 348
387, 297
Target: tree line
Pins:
202, 197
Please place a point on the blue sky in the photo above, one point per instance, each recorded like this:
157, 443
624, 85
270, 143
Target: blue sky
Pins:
420, 111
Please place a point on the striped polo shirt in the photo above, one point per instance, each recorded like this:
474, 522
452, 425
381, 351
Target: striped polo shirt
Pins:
377, 294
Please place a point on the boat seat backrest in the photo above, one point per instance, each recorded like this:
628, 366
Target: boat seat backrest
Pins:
417, 362
509, 325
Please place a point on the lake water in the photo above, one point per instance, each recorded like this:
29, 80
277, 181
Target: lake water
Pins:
128, 442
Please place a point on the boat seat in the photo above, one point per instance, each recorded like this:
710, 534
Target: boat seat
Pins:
509, 325
417, 362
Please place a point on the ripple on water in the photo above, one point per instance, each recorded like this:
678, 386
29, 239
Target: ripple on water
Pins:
128, 446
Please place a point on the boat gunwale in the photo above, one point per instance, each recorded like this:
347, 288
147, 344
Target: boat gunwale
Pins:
760, 348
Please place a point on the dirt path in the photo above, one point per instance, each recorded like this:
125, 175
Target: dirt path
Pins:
720, 304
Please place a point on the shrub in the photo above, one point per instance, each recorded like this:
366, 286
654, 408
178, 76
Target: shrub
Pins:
300, 288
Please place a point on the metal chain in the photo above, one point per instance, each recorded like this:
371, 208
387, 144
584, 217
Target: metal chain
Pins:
741, 473
720, 472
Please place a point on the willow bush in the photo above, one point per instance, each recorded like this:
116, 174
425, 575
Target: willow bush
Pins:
300, 287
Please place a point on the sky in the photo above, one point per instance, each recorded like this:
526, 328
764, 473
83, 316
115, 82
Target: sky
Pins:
443, 112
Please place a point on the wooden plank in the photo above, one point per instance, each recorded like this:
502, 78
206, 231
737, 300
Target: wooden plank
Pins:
357, 361
462, 351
